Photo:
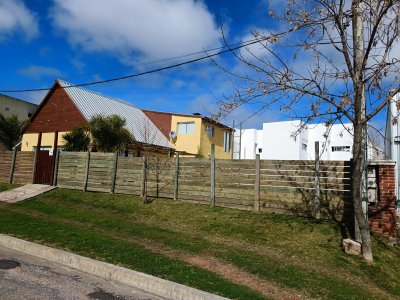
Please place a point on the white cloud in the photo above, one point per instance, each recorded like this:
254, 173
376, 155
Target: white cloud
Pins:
37, 72
150, 29
255, 51
15, 17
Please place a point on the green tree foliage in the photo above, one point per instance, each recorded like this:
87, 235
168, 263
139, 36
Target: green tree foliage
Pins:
10, 131
77, 140
109, 133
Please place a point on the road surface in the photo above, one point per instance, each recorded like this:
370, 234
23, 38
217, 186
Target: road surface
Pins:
24, 277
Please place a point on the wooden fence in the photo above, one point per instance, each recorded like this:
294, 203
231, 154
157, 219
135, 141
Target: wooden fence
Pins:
268, 185
21, 164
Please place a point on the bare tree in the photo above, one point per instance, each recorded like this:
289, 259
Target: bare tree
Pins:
333, 61
155, 158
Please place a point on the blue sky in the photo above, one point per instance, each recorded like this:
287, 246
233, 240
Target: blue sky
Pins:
83, 41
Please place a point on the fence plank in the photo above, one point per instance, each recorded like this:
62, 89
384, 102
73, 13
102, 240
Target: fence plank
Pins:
279, 186
212, 192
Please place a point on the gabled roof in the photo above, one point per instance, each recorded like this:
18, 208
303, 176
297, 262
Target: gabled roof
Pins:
91, 104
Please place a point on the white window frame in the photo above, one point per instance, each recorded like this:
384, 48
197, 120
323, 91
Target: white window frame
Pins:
210, 130
185, 127
227, 141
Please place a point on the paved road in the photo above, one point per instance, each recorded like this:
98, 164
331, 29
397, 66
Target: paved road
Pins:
24, 277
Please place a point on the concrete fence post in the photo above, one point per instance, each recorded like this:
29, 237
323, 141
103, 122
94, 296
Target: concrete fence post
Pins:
86, 172
55, 174
212, 192
114, 172
14, 156
176, 176
257, 185
317, 199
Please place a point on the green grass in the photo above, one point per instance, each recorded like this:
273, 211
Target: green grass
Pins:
295, 255
5, 187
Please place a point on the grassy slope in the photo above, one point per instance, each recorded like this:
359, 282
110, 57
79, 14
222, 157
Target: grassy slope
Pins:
5, 187
191, 244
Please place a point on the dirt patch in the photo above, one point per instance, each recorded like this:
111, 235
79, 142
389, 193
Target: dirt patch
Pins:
238, 276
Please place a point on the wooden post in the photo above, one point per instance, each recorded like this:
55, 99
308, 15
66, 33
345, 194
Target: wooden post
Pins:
233, 138
55, 152
143, 177
212, 175
114, 172
257, 185
55, 174
176, 176
86, 172
240, 141
14, 156
55, 142
38, 146
39, 143
317, 202
34, 166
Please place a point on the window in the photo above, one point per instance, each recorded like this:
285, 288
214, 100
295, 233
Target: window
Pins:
304, 147
227, 141
340, 148
127, 153
259, 150
185, 127
43, 148
210, 130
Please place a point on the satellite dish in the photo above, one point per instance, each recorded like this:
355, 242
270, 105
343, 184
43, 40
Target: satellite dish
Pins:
172, 134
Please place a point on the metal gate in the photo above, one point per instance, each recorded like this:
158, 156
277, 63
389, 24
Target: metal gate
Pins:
44, 167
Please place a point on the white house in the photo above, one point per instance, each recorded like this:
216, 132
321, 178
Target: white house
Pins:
293, 140
392, 138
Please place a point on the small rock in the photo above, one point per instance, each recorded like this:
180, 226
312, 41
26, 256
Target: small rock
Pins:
392, 242
352, 247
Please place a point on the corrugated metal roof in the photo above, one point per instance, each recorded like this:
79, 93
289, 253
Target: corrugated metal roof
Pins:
91, 104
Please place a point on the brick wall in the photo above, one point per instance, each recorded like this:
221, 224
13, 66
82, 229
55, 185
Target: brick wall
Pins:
382, 214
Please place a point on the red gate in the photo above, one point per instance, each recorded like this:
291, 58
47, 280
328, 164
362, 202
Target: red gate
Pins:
44, 168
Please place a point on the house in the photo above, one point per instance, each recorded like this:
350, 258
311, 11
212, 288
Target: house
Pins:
12, 106
294, 140
66, 106
194, 134
392, 138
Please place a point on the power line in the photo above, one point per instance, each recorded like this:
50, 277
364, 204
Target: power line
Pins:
230, 49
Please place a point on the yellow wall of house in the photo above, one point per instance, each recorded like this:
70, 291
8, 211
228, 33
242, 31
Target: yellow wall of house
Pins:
29, 140
217, 140
199, 142
186, 142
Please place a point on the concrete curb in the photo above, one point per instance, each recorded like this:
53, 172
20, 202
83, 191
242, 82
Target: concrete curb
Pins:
148, 283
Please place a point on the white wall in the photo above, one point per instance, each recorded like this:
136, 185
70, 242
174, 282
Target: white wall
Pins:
337, 135
278, 141
250, 143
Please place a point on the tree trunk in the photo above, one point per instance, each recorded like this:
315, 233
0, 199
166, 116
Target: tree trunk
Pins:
359, 143
358, 168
